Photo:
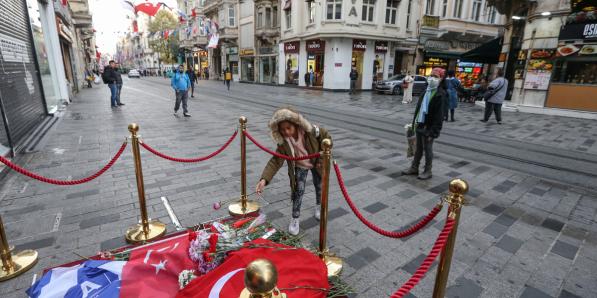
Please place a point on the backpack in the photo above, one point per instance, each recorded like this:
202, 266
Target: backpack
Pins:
105, 77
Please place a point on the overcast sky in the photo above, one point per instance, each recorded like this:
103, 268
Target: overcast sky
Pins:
110, 21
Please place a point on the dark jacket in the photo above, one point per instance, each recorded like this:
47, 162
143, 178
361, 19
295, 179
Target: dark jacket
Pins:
109, 75
435, 116
192, 76
118, 76
354, 75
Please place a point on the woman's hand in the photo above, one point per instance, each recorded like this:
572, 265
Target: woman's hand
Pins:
260, 186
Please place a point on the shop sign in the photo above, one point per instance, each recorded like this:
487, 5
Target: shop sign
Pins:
202, 53
579, 31
266, 50
359, 45
337, 64
381, 46
445, 45
247, 52
315, 45
233, 51
291, 47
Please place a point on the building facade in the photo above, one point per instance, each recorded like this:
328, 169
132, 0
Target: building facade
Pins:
267, 40
548, 55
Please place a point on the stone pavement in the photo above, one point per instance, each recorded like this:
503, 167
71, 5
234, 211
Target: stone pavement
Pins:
520, 237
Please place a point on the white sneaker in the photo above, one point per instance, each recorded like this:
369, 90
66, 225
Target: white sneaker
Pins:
317, 212
293, 228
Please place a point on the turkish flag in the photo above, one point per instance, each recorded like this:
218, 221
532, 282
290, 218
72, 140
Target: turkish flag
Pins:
152, 270
296, 268
148, 8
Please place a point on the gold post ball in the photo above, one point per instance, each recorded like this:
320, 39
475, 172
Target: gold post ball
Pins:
242, 120
326, 144
261, 276
458, 186
133, 127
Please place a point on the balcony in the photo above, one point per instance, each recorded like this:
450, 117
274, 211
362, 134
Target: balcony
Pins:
267, 32
211, 6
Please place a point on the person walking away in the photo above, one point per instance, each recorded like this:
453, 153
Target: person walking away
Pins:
427, 123
227, 77
295, 136
88, 78
181, 83
193, 79
311, 76
453, 85
118, 83
354, 75
407, 88
109, 78
494, 97
307, 78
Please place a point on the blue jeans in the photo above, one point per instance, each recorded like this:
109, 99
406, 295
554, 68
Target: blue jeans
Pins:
113, 94
297, 196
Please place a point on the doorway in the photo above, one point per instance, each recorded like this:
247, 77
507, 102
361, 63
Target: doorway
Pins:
357, 63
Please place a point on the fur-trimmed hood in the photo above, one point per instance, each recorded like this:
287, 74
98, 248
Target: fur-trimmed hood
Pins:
287, 114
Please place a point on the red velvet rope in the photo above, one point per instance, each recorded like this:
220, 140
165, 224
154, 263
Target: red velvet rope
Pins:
391, 234
18, 169
422, 270
198, 159
276, 154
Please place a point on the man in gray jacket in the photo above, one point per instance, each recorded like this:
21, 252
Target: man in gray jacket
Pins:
494, 98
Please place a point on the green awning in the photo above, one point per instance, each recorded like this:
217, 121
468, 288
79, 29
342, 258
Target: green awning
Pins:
488, 52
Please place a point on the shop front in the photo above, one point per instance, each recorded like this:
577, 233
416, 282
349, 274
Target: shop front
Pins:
381, 48
247, 60
66, 44
267, 63
359, 46
444, 54
232, 58
431, 62
574, 80
468, 73
291, 56
315, 60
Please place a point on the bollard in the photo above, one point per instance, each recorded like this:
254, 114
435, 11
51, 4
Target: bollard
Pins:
244, 206
261, 278
148, 229
334, 264
17, 264
456, 200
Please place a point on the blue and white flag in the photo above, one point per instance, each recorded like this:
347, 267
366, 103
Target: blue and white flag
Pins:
97, 279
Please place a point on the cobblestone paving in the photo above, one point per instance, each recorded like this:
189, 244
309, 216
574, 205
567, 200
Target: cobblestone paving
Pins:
521, 236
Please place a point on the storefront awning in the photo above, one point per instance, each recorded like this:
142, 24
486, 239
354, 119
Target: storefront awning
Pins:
488, 52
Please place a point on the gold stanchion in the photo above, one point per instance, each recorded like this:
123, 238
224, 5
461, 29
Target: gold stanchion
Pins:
17, 264
333, 263
261, 278
244, 206
148, 229
456, 200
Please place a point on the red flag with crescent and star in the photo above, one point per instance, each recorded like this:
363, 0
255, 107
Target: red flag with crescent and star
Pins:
301, 273
148, 8
152, 270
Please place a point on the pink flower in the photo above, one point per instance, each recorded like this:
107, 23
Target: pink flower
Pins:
217, 205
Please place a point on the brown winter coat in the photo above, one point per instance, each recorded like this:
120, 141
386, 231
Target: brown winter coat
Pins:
312, 144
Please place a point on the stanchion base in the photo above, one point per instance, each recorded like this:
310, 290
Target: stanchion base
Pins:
334, 265
135, 233
236, 209
22, 261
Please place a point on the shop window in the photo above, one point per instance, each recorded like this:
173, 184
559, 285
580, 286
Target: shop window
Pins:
268, 17
457, 9
391, 9
476, 13
288, 17
368, 9
231, 16
444, 8
577, 71
430, 8
408, 13
334, 9
311, 11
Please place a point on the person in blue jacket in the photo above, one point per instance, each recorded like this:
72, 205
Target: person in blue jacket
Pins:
181, 83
